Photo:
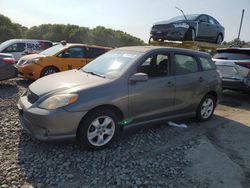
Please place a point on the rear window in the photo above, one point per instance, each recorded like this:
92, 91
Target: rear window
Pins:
207, 64
95, 52
233, 54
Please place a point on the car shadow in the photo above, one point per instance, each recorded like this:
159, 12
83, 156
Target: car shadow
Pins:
236, 99
24, 82
8, 90
67, 164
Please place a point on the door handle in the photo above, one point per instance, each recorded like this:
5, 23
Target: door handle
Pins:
201, 79
170, 84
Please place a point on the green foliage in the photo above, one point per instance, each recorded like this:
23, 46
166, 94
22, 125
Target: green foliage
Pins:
71, 33
237, 43
9, 30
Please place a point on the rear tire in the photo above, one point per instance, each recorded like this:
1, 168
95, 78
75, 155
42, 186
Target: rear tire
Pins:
99, 129
206, 108
219, 39
48, 70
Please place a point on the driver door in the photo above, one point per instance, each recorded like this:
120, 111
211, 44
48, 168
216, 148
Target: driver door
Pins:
153, 98
72, 58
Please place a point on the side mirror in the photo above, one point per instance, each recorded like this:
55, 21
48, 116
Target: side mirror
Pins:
138, 77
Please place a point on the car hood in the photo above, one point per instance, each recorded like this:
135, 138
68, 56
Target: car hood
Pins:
172, 22
67, 80
32, 56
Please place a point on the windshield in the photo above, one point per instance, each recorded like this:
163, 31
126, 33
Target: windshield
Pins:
112, 64
189, 17
5, 44
53, 50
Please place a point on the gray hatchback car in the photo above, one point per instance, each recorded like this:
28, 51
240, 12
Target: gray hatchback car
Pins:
125, 87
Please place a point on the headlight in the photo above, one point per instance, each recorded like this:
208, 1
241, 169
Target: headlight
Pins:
30, 61
184, 25
58, 101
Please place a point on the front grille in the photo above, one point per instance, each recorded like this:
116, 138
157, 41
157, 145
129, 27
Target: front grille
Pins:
161, 27
227, 71
32, 97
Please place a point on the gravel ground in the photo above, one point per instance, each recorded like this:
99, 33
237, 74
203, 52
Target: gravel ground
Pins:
209, 154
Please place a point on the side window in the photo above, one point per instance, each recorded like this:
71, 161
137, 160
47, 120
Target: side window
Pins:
202, 18
17, 47
75, 52
155, 65
93, 53
211, 21
185, 64
47, 45
207, 64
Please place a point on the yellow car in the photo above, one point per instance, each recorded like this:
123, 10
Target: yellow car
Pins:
60, 57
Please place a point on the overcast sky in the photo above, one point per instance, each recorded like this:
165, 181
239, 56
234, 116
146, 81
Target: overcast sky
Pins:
132, 16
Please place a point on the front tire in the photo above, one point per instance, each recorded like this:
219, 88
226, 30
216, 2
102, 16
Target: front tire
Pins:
206, 108
99, 129
190, 35
48, 70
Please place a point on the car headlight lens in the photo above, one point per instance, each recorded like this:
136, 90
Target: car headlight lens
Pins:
58, 101
31, 61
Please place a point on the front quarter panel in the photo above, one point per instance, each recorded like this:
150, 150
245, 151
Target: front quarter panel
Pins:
114, 93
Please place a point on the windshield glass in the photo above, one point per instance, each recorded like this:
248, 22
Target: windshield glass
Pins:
112, 64
5, 44
189, 17
53, 50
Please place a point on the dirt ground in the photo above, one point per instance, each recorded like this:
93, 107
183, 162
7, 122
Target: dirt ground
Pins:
215, 153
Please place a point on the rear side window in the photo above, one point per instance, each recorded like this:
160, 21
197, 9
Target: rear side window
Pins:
185, 64
233, 54
207, 64
95, 52
17, 47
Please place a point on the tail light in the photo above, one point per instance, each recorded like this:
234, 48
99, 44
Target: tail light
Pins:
8, 60
244, 64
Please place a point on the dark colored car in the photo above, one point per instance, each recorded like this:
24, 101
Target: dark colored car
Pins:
7, 68
195, 27
124, 87
234, 68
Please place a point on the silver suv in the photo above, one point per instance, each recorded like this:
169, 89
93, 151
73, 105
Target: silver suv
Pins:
234, 67
122, 88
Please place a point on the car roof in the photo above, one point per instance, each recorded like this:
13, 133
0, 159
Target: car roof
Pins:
27, 40
146, 49
84, 45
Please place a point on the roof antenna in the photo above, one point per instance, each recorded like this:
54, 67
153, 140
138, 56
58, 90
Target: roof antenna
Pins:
181, 12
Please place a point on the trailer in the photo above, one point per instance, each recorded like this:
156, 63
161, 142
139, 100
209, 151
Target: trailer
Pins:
194, 45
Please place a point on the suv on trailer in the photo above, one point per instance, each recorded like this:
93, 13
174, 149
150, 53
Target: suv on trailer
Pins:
234, 68
125, 87
58, 58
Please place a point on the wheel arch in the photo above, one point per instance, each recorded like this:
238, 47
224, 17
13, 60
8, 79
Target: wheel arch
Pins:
214, 94
114, 108
49, 66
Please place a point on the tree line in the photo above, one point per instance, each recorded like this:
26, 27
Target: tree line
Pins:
71, 33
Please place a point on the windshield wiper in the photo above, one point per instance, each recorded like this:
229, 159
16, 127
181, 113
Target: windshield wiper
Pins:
93, 73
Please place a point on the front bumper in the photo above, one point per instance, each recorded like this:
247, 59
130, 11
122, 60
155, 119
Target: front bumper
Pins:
31, 72
175, 35
48, 125
236, 84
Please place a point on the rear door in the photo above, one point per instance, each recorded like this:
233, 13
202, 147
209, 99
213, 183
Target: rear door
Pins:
188, 82
212, 29
203, 27
72, 58
153, 98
